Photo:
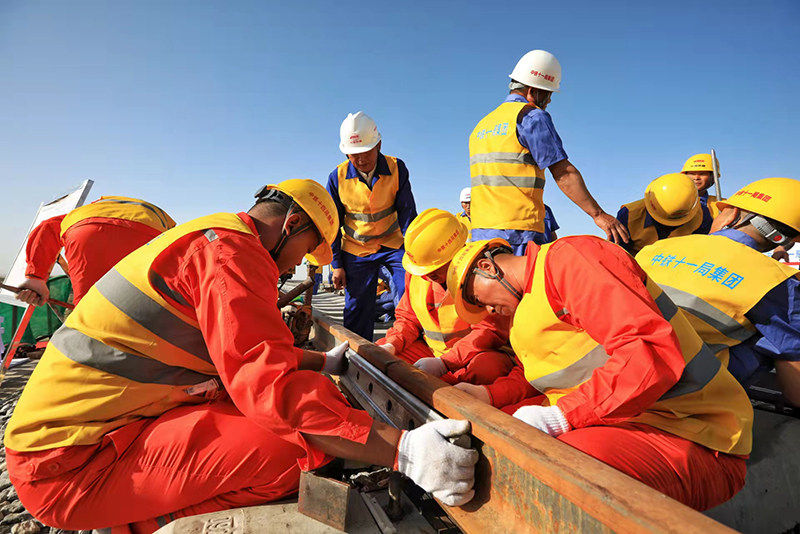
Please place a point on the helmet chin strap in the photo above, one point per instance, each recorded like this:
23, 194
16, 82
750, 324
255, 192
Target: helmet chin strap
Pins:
489, 254
765, 229
276, 250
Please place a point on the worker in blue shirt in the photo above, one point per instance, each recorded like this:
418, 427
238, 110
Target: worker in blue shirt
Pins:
671, 207
511, 147
744, 304
373, 195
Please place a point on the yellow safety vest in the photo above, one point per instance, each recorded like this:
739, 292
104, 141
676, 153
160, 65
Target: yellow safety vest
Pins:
642, 236
129, 209
370, 218
711, 203
706, 406
441, 326
507, 186
463, 219
124, 353
716, 281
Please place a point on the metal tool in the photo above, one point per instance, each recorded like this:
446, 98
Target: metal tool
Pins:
289, 296
49, 301
717, 188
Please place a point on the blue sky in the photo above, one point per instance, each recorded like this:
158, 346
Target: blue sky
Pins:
194, 105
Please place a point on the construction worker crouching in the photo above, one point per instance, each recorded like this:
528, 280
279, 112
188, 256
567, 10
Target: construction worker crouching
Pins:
427, 331
743, 304
670, 208
623, 376
375, 205
94, 238
174, 388
509, 150
700, 169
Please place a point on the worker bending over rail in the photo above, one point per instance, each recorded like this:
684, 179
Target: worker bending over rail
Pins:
745, 305
624, 377
375, 205
427, 331
174, 389
670, 208
94, 237
509, 150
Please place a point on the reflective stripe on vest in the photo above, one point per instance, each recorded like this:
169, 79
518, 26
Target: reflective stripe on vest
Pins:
642, 236
506, 183
130, 209
441, 327
705, 405
716, 281
124, 353
370, 217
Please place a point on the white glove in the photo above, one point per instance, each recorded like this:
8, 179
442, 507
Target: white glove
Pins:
433, 366
388, 347
335, 360
548, 419
447, 471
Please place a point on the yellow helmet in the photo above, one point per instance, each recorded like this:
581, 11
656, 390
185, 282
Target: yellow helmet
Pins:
699, 162
672, 199
431, 241
775, 198
318, 205
458, 273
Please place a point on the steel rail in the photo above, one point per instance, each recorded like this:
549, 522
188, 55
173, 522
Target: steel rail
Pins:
527, 481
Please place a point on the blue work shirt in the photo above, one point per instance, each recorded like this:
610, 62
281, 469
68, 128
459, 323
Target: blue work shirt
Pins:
537, 133
776, 318
550, 223
403, 201
662, 230
518, 239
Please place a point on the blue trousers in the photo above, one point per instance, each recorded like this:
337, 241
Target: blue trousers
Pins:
518, 239
362, 283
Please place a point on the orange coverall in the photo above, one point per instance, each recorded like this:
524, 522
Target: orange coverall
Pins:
91, 247
604, 287
474, 358
244, 449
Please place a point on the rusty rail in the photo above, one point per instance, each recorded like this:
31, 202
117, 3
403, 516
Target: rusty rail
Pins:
527, 481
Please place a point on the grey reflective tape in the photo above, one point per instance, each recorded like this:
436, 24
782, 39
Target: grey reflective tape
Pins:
444, 338
708, 313
562, 312
161, 284
90, 352
364, 238
131, 301
523, 158
371, 217
696, 375
573, 374
529, 182
210, 234
157, 211
665, 305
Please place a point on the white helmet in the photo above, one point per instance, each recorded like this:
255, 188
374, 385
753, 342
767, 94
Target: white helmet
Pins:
358, 133
465, 195
539, 69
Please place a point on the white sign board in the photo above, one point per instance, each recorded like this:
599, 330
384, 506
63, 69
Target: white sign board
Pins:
59, 206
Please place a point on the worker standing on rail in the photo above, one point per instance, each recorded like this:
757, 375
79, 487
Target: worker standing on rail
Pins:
124, 419
375, 205
670, 208
94, 237
466, 204
427, 331
743, 304
701, 170
508, 152
624, 377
